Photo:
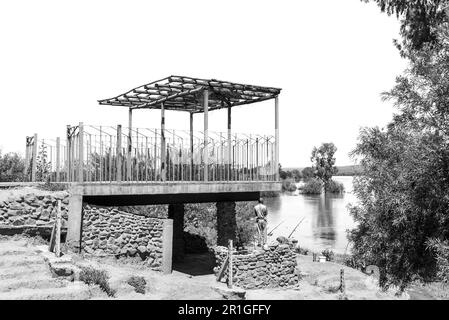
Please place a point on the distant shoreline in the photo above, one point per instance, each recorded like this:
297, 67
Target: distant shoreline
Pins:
352, 170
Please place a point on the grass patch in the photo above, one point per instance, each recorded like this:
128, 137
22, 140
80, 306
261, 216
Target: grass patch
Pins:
138, 283
93, 276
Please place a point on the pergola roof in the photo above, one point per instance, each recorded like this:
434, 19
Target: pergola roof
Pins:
185, 94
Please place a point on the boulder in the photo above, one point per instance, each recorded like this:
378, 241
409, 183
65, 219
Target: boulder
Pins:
13, 213
142, 249
282, 239
16, 221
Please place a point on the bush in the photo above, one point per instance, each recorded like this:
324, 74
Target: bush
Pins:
138, 283
93, 276
312, 186
53, 186
246, 226
288, 185
441, 249
335, 187
269, 194
329, 254
12, 167
201, 219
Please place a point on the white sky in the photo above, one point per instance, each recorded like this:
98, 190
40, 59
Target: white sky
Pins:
331, 58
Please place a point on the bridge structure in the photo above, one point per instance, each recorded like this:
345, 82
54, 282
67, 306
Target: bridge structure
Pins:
116, 166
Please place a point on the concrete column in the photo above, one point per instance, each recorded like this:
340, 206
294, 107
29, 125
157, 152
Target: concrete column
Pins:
163, 145
276, 128
206, 134
176, 212
74, 223
229, 143
130, 132
226, 223
167, 246
191, 146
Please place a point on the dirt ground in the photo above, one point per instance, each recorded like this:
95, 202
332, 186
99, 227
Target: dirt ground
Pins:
24, 274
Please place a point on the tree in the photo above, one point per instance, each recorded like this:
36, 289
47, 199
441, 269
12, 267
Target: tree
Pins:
324, 162
43, 166
419, 21
12, 167
296, 174
307, 173
283, 174
404, 188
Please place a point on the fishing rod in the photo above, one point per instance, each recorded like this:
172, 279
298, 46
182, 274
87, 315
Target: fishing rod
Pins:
295, 228
271, 232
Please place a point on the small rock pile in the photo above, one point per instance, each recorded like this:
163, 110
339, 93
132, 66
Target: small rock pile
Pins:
33, 209
109, 231
270, 268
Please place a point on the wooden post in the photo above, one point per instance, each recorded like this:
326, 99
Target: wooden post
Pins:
80, 152
58, 158
34, 159
229, 143
276, 128
163, 146
206, 134
342, 281
230, 280
128, 163
191, 146
118, 164
58, 230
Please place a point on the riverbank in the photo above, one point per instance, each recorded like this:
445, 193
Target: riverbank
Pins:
25, 274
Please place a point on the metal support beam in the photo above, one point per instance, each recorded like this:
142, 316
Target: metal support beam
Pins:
276, 134
68, 155
80, 152
34, 159
206, 134
58, 158
163, 147
229, 143
191, 146
128, 160
119, 154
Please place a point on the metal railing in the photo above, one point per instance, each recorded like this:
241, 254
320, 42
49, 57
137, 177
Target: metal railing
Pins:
110, 154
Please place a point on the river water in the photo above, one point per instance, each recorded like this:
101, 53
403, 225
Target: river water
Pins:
326, 218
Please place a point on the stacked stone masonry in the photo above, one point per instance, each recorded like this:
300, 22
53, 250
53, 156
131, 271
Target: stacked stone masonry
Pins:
109, 231
271, 268
33, 210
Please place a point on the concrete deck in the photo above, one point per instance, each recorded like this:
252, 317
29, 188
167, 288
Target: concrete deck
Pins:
128, 193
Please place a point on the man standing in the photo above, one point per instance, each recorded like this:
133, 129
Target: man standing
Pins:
261, 212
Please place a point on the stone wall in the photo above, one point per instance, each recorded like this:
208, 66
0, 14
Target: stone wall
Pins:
109, 231
19, 208
274, 267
